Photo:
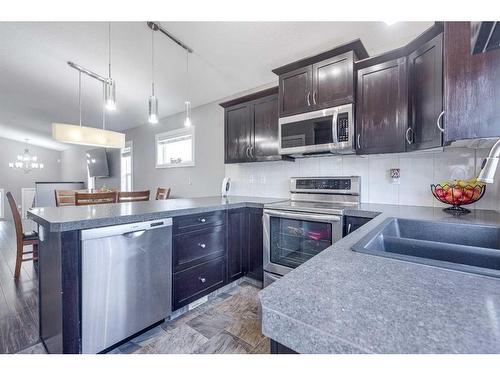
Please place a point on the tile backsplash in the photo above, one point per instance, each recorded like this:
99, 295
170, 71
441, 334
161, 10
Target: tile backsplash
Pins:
418, 171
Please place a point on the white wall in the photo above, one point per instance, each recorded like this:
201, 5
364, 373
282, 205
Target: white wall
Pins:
418, 171
14, 180
205, 178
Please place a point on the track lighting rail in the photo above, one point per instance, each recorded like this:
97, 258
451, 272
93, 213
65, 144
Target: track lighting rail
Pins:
156, 27
90, 73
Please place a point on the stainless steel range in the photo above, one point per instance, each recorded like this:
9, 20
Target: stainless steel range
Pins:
310, 222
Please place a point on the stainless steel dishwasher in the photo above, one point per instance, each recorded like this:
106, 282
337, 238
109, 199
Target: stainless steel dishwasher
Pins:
126, 281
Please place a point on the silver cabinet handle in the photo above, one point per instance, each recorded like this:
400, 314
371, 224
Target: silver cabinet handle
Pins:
248, 152
202, 279
202, 220
315, 96
309, 99
202, 245
251, 152
410, 141
349, 228
359, 141
441, 129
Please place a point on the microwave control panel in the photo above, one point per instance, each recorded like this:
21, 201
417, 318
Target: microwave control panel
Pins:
343, 127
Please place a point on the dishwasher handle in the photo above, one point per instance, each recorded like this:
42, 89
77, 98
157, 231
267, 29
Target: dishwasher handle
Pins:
132, 230
135, 234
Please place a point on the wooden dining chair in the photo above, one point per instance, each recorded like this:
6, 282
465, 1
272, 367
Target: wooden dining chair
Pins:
22, 238
65, 197
162, 193
85, 199
133, 196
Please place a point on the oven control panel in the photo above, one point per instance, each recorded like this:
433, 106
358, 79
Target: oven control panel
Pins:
324, 184
330, 185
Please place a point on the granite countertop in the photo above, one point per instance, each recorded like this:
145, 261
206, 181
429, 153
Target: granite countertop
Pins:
343, 301
60, 219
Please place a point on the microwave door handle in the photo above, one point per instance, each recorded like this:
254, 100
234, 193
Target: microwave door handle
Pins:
303, 216
335, 134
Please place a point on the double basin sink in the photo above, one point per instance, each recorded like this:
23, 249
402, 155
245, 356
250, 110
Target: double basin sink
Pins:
469, 248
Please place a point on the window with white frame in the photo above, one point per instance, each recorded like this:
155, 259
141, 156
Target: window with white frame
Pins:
1, 204
126, 167
175, 148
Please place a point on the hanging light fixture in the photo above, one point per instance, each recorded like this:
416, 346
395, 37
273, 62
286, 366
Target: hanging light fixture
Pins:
26, 162
153, 100
110, 86
187, 121
84, 135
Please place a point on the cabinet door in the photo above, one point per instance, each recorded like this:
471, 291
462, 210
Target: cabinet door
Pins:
333, 81
254, 243
471, 87
238, 134
265, 115
425, 82
381, 108
295, 91
236, 244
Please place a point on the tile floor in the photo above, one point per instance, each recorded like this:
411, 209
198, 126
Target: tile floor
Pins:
230, 323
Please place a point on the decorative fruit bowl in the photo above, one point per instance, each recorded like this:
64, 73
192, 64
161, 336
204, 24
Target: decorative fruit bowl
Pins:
458, 193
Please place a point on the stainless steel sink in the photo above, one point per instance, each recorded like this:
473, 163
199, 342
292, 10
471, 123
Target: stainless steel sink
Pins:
462, 247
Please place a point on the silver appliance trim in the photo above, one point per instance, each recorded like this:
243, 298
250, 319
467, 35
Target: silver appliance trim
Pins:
335, 146
278, 269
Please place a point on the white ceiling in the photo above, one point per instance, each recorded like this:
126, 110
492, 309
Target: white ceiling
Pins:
38, 88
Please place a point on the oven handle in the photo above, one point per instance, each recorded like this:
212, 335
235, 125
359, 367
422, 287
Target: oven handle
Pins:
296, 215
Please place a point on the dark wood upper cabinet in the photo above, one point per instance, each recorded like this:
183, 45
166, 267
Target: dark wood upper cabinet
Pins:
381, 108
238, 133
295, 91
425, 87
471, 87
265, 120
320, 81
251, 128
333, 82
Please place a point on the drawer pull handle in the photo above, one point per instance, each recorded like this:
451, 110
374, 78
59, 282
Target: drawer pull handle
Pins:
202, 245
202, 279
202, 220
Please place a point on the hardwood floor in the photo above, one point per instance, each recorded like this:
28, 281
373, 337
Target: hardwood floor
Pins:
230, 323
18, 299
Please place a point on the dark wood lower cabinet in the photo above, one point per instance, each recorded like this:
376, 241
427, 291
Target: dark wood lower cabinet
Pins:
255, 244
277, 348
236, 244
215, 253
198, 281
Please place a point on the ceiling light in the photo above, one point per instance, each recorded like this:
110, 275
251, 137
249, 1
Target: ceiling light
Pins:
153, 100
187, 121
110, 86
85, 135
26, 162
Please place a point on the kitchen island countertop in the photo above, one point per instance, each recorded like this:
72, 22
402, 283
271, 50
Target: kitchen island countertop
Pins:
343, 301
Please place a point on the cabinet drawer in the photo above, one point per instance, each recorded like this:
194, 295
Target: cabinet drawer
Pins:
193, 248
183, 224
196, 282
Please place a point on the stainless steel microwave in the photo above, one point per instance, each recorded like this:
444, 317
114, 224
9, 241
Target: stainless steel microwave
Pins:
328, 130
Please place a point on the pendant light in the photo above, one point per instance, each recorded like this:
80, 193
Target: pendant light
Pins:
85, 135
110, 87
187, 121
153, 100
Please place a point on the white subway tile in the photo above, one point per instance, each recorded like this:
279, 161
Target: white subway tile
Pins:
417, 173
381, 190
353, 165
330, 166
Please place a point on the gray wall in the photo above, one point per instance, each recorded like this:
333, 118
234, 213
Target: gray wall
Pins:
74, 167
205, 177
13, 180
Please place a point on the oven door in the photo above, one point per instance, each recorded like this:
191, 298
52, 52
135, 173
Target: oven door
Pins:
292, 238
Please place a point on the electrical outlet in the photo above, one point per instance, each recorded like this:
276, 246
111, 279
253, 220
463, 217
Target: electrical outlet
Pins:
395, 175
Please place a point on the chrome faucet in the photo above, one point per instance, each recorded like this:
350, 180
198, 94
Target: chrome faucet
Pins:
490, 164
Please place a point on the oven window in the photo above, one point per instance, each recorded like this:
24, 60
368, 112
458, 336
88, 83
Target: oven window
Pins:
306, 133
295, 241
